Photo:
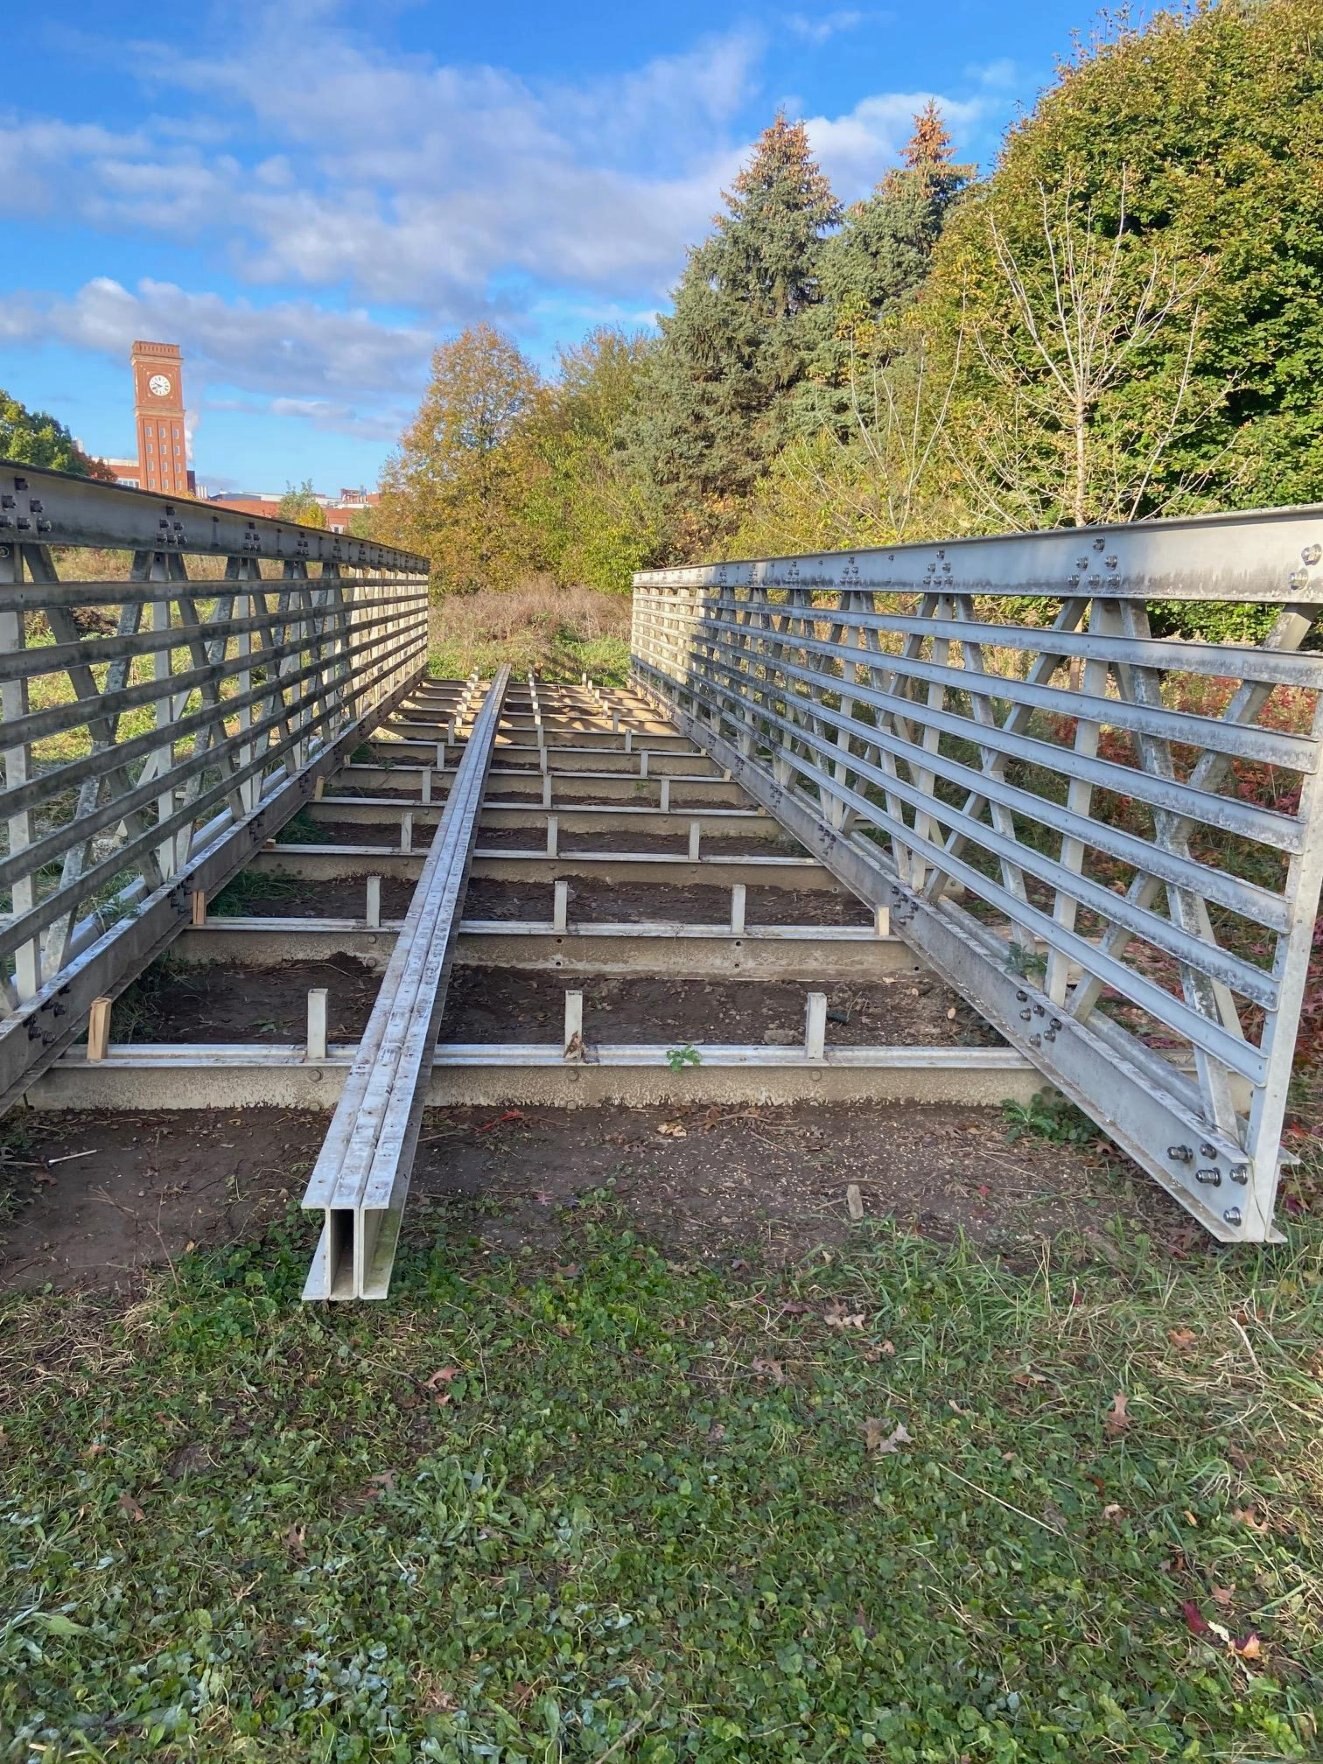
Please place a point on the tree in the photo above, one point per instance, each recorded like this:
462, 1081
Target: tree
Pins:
876, 261
735, 345
1192, 143
596, 518
300, 504
457, 488
31, 437
1081, 380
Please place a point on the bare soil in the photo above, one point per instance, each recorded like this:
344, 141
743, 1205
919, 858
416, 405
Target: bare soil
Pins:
738, 1186
604, 903
343, 898
227, 1002
492, 1005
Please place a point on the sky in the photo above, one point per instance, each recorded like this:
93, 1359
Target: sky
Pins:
309, 196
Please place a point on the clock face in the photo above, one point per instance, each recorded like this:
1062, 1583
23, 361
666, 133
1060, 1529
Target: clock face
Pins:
159, 385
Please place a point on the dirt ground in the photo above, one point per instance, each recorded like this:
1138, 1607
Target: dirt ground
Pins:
226, 1002
93, 1200
504, 1005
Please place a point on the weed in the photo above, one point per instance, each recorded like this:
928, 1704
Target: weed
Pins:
1048, 1115
533, 1513
677, 1058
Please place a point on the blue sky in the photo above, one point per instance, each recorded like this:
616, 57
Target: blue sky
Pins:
308, 196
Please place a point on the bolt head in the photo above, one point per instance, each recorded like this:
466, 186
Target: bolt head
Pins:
1232, 1216
1311, 554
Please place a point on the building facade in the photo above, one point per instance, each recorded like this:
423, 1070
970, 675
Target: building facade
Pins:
158, 416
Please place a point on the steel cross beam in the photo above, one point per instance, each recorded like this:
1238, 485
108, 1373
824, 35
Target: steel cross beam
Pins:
361, 1178
929, 746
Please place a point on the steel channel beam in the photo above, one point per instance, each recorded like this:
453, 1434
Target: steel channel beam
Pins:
611, 785
1251, 556
534, 1075
807, 953
361, 1178
55, 508
324, 863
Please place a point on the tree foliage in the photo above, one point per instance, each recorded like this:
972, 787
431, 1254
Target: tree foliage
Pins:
1125, 318
456, 488
299, 503
34, 438
737, 343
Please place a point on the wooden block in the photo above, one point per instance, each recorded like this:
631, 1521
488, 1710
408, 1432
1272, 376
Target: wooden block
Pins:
198, 901
98, 1029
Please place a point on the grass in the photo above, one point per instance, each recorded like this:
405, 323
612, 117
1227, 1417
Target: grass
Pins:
558, 633
617, 1508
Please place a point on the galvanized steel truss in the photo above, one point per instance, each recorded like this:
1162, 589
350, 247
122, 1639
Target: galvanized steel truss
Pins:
158, 729
1060, 809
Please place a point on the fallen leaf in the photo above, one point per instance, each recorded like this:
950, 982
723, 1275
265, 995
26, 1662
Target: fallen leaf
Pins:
543, 1196
128, 1505
1221, 1632
716, 1433
877, 1439
673, 1130
378, 1485
1195, 1621
1112, 1510
1182, 1338
772, 1369
1117, 1419
443, 1375
836, 1316
1247, 1516
1248, 1647
294, 1539
93, 1451
1221, 1595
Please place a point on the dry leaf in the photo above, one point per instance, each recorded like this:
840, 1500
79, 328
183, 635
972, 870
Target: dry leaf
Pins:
1248, 1516
837, 1317
294, 1539
1116, 1420
772, 1369
673, 1130
127, 1504
378, 1485
877, 1439
1112, 1510
1221, 1595
443, 1375
1182, 1338
1247, 1647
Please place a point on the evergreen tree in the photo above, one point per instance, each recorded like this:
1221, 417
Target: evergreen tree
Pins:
735, 346
879, 258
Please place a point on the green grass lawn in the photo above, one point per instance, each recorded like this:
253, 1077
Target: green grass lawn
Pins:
909, 1504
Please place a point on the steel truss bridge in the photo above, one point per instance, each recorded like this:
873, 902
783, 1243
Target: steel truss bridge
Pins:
972, 759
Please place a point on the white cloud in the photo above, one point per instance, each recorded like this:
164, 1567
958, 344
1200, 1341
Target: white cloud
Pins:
452, 191
855, 149
293, 350
820, 28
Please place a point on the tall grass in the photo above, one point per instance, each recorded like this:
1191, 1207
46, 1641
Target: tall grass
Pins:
559, 633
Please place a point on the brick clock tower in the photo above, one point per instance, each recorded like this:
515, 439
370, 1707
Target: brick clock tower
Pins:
158, 401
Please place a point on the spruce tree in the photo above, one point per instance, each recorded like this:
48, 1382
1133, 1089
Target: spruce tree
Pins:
735, 346
879, 258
